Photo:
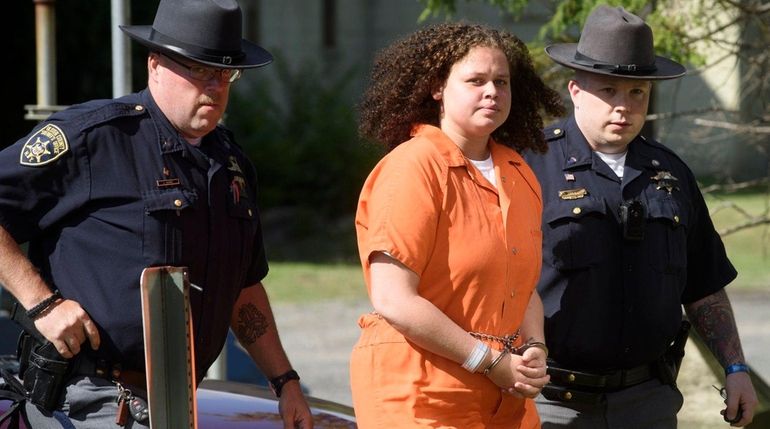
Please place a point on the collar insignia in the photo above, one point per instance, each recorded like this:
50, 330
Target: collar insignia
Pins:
44, 147
665, 180
233, 165
573, 194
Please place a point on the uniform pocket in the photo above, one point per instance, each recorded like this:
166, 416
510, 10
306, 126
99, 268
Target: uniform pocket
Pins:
667, 218
161, 236
575, 232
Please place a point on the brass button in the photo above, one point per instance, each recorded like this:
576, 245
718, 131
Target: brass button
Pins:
557, 131
567, 395
676, 218
577, 210
178, 203
571, 378
138, 107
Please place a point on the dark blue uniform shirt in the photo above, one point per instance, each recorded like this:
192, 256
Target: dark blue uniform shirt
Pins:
613, 300
107, 188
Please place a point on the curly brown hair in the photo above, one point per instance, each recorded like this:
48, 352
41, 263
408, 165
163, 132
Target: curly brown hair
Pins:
406, 73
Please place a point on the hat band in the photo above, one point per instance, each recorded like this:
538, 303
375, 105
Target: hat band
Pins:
196, 52
632, 69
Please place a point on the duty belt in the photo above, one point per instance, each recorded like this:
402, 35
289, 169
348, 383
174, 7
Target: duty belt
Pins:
589, 387
96, 367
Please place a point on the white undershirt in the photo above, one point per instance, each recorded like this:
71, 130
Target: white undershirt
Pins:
487, 169
616, 161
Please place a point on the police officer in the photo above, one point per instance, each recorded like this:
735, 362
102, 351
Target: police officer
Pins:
627, 240
106, 188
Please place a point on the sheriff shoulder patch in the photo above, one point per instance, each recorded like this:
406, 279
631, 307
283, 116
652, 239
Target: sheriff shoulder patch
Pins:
44, 147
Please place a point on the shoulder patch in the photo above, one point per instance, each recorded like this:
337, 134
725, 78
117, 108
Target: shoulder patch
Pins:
44, 147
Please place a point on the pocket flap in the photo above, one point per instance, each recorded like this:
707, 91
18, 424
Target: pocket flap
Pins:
168, 199
573, 209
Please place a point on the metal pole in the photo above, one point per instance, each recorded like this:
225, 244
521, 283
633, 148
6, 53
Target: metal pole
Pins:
45, 48
121, 48
218, 370
169, 347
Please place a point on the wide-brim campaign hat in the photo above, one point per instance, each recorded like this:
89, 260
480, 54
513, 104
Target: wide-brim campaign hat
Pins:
205, 31
617, 43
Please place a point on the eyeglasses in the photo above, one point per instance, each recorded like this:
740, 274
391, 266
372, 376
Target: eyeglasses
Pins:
207, 73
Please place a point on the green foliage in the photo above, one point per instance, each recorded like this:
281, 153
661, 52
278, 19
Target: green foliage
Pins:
301, 132
748, 249
666, 19
447, 8
302, 136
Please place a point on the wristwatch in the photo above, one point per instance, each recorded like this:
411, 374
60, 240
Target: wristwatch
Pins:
277, 383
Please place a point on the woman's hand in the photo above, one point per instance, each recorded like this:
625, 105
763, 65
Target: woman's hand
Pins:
522, 376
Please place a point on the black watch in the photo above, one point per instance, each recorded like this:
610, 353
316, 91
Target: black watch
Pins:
277, 383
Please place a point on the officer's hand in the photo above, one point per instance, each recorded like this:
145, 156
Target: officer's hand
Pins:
293, 407
68, 326
740, 395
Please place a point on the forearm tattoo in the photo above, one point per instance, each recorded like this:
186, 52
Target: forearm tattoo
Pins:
252, 324
713, 318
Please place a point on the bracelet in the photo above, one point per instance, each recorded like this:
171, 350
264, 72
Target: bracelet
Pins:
476, 357
494, 363
736, 367
278, 382
539, 344
43, 305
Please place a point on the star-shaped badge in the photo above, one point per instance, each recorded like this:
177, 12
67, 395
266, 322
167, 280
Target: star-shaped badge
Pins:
665, 180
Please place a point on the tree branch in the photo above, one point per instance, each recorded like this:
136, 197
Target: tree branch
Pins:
741, 128
746, 225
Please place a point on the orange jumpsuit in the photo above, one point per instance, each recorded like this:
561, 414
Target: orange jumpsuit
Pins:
476, 249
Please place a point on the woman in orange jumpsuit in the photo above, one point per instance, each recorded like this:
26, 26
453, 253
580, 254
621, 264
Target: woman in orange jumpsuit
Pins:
449, 235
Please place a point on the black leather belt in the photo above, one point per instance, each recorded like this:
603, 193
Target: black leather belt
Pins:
590, 387
605, 380
95, 367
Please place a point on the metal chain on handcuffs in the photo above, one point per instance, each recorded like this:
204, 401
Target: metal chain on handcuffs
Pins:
507, 341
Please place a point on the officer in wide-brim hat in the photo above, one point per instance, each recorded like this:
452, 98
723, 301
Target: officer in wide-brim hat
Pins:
615, 42
627, 243
206, 32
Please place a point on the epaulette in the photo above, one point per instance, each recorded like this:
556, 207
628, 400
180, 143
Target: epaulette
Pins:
554, 132
88, 115
53, 137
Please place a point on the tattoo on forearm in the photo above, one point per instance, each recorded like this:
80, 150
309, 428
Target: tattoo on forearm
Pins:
713, 318
252, 324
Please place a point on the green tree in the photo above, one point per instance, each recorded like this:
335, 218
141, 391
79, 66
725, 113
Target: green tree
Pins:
700, 33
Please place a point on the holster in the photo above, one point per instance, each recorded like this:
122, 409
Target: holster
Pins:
42, 369
668, 365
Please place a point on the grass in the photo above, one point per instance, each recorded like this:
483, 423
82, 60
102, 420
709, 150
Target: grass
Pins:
306, 282
748, 249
